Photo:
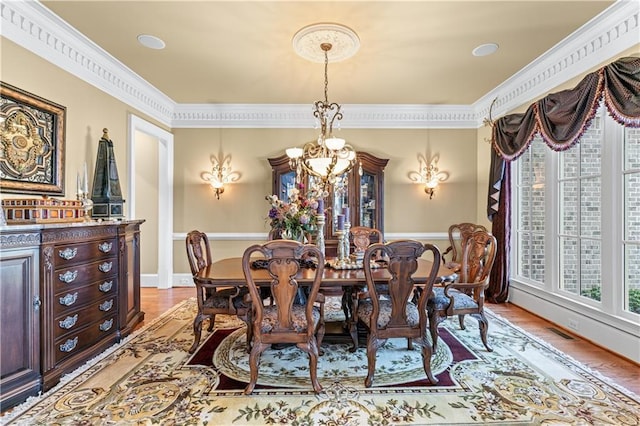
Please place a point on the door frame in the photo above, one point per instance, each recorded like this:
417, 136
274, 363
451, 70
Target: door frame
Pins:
165, 192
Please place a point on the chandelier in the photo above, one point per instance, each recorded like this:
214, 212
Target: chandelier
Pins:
328, 157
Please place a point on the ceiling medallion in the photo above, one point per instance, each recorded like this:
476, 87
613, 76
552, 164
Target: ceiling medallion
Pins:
344, 42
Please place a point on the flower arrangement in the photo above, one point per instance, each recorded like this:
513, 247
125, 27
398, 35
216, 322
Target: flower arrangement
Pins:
296, 218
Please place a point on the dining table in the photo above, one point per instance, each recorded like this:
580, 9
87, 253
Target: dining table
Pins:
228, 273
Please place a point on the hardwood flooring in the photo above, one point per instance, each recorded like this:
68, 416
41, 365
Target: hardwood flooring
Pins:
620, 370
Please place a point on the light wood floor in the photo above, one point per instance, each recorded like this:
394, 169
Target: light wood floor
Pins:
618, 369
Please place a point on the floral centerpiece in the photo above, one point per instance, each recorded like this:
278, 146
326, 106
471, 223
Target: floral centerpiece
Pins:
296, 218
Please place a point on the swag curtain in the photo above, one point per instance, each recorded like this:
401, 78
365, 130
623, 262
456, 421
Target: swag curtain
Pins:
560, 119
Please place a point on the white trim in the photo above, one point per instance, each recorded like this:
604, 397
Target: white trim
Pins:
614, 333
34, 27
165, 192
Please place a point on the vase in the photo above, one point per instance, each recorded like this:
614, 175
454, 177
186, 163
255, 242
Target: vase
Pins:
292, 234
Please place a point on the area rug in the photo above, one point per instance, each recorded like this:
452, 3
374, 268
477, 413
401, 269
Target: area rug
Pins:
150, 379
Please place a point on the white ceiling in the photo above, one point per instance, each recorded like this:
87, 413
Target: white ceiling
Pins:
413, 53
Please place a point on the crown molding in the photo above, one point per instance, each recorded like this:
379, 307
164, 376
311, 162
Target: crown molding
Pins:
34, 27
37, 29
293, 116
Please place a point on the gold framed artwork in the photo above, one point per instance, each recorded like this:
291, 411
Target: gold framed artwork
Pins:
32, 136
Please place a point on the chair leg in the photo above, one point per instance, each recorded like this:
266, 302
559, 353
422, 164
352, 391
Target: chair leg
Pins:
426, 361
353, 321
254, 361
372, 348
197, 331
320, 336
484, 328
311, 349
433, 328
461, 321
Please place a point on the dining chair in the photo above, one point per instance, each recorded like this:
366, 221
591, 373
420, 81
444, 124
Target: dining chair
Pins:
212, 300
458, 235
361, 237
465, 296
391, 311
285, 321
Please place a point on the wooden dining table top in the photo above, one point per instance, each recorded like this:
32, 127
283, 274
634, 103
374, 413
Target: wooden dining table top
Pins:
228, 272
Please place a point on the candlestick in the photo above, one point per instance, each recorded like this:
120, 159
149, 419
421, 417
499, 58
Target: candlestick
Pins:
78, 186
341, 222
85, 184
345, 212
321, 206
320, 236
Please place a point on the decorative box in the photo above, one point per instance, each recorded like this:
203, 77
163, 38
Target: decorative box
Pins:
44, 210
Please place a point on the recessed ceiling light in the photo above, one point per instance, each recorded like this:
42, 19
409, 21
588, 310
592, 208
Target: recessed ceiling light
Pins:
485, 49
152, 42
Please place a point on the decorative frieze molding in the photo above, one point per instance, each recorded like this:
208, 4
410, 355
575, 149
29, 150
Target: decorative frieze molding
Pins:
34, 27
19, 240
294, 116
79, 233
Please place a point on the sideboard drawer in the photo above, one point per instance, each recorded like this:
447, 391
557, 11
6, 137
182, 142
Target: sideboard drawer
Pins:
74, 320
74, 343
76, 275
77, 298
82, 252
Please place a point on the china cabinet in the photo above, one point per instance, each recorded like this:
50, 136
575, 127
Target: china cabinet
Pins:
359, 193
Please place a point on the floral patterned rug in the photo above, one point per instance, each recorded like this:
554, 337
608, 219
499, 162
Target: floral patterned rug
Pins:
151, 379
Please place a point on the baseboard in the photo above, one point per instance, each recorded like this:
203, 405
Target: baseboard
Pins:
597, 332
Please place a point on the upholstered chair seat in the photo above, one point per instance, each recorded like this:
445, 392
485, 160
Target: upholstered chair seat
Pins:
298, 316
220, 299
460, 300
365, 309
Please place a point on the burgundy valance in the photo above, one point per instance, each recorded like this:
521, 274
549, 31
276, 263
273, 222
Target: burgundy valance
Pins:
561, 118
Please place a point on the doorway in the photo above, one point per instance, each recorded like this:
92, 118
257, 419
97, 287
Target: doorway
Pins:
144, 135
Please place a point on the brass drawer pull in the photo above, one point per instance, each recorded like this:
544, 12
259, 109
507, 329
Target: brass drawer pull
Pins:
68, 277
69, 299
68, 253
106, 306
69, 322
106, 266
105, 247
69, 345
106, 326
106, 286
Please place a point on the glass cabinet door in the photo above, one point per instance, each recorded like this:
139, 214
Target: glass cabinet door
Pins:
367, 202
287, 184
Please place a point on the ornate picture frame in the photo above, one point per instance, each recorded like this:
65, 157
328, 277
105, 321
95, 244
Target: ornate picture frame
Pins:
32, 137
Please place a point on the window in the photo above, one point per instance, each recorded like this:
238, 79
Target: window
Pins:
576, 221
631, 241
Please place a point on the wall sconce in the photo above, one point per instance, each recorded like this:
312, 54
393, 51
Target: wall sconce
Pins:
220, 174
429, 175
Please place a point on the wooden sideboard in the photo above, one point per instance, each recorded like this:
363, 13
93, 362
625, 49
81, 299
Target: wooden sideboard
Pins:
68, 292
